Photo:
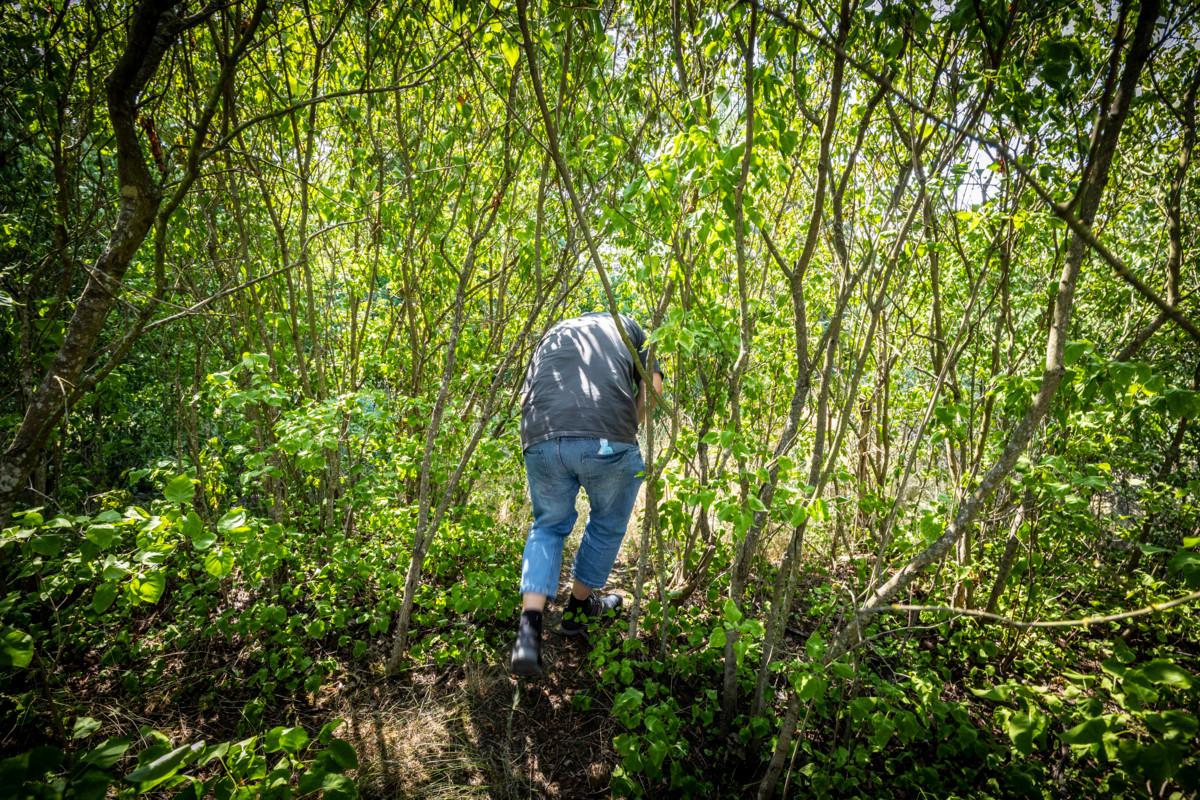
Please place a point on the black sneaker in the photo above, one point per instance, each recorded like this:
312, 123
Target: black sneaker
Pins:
579, 613
527, 649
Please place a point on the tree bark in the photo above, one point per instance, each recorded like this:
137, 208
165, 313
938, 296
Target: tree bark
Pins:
1089, 201
152, 29
1096, 177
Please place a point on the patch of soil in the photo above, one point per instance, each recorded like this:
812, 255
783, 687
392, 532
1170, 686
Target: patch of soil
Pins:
476, 731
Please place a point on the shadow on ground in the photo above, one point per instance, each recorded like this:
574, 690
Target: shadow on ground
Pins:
476, 732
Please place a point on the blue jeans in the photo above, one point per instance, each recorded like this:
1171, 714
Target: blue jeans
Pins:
556, 468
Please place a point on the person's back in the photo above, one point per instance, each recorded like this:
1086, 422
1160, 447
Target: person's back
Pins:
582, 382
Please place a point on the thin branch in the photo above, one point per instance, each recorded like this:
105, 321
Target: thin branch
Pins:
200, 305
225, 140
1008, 622
1063, 211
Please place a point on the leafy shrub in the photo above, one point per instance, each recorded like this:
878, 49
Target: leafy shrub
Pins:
283, 763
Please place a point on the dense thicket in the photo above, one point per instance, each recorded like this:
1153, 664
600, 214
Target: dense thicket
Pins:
921, 511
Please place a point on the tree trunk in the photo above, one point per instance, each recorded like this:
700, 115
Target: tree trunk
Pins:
1095, 178
152, 30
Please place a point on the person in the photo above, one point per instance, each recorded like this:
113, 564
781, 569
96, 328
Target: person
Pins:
581, 404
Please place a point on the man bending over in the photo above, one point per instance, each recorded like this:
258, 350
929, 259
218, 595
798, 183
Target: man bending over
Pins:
581, 404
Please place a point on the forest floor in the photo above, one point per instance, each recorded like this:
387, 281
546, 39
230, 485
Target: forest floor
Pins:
475, 731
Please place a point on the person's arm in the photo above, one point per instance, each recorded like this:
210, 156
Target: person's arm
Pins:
644, 405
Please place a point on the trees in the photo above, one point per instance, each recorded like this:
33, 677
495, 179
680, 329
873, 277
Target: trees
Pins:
920, 280
153, 28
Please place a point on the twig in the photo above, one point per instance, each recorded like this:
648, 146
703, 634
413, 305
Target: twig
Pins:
1063, 211
198, 306
1021, 625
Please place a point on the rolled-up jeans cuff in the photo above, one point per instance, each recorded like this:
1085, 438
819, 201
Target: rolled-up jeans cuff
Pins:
589, 582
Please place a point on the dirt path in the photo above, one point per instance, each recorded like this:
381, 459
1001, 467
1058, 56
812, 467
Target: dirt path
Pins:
474, 731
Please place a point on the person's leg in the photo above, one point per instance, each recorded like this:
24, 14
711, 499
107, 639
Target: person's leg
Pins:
552, 490
612, 482
580, 590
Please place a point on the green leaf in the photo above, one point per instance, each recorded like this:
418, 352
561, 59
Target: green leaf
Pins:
860, 707
291, 740
218, 564
181, 489
1187, 564
91, 784
1073, 351
1182, 403
18, 772
814, 647
882, 730
115, 571
512, 53
1122, 652
1022, 729
107, 753
103, 599
191, 524
234, 521
325, 736
1173, 724
338, 787
1158, 761
149, 587
202, 538
716, 639
626, 706
730, 612
216, 751
342, 753
1090, 731
1167, 673
788, 141
101, 535
810, 687
840, 669
311, 780
999, 693
163, 767
48, 544
43, 759
16, 648
84, 727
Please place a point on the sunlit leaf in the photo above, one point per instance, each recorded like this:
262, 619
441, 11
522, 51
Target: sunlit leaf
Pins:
181, 489
16, 648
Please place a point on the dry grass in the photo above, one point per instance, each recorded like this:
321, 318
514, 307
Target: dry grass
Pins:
475, 732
